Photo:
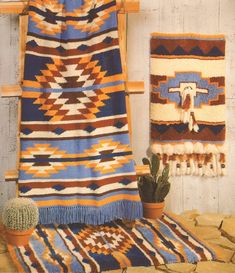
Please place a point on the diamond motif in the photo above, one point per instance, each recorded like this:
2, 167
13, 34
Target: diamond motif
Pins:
58, 131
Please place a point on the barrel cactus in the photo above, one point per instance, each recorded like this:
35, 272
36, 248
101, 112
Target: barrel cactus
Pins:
20, 214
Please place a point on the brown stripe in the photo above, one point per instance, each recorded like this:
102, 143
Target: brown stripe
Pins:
220, 100
74, 126
71, 52
174, 230
156, 79
155, 98
33, 259
101, 182
141, 246
188, 44
69, 233
172, 134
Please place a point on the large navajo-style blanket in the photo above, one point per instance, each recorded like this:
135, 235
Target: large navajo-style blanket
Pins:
76, 161
84, 248
188, 102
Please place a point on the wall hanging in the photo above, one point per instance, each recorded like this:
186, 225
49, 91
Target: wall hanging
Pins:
188, 102
76, 162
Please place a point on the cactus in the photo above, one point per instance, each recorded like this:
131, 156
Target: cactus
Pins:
20, 214
154, 188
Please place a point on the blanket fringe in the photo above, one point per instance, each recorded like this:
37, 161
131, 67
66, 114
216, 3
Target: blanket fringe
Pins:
124, 209
192, 158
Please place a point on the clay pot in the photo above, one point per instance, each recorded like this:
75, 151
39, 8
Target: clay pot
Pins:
153, 210
17, 237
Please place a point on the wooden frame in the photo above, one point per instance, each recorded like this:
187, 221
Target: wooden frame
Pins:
124, 6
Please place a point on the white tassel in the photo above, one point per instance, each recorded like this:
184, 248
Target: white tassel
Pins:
156, 148
188, 147
198, 148
179, 149
168, 149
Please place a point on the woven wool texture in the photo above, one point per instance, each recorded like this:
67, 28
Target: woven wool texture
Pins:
76, 162
89, 249
188, 102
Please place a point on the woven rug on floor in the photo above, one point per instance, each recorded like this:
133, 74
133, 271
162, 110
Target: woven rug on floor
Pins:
188, 102
76, 162
117, 245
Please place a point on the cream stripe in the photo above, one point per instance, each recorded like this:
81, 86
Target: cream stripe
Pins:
73, 56
73, 45
81, 190
168, 112
76, 254
168, 67
76, 133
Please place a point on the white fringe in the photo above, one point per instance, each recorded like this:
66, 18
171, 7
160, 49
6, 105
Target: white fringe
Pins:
192, 158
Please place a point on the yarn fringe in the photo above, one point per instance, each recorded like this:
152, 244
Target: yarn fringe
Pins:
192, 158
124, 209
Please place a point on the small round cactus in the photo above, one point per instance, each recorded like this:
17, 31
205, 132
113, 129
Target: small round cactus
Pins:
20, 214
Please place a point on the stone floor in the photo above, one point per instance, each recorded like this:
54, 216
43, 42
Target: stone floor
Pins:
217, 229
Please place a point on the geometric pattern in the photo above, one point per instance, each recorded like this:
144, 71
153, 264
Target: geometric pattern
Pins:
106, 150
76, 162
93, 15
65, 106
188, 83
117, 245
40, 166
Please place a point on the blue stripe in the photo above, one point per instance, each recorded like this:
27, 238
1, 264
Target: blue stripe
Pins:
92, 87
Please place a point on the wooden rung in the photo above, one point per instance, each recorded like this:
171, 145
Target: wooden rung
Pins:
17, 7
11, 91
135, 87
16, 90
12, 175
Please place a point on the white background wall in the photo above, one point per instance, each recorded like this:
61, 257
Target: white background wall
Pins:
172, 16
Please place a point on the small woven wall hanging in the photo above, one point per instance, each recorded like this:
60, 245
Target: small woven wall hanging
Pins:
188, 102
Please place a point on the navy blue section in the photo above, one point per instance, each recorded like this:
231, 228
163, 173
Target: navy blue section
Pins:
116, 105
179, 51
110, 61
183, 127
31, 112
101, 157
39, 63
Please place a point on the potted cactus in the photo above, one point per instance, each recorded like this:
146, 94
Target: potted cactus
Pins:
19, 217
153, 188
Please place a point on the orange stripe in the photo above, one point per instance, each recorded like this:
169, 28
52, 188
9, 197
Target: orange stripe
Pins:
15, 259
88, 202
185, 57
187, 35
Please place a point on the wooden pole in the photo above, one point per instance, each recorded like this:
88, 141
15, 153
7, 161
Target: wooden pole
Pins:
18, 7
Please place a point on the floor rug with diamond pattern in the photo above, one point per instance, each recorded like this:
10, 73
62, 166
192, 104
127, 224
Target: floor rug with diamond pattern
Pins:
76, 162
85, 248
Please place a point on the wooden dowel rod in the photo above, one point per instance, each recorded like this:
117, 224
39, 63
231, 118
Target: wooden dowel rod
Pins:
16, 90
135, 87
17, 7
12, 175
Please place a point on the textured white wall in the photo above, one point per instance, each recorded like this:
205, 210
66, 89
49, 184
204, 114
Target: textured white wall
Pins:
173, 16
177, 16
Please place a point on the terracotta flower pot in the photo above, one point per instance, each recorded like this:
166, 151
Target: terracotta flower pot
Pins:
153, 210
18, 238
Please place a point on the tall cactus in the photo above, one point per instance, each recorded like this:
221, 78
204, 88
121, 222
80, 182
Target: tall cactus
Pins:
20, 214
153, 188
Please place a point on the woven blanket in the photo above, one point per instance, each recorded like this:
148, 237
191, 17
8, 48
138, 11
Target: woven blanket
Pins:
188, 102
76, 162
84, 248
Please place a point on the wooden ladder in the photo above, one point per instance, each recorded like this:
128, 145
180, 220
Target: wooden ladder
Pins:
20, 8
